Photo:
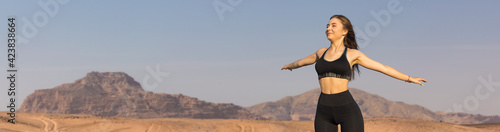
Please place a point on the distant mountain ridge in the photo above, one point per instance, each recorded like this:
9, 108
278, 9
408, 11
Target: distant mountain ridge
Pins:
303, 107
117, 94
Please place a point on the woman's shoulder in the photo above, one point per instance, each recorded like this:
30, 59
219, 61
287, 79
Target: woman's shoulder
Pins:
354, 52
321, 50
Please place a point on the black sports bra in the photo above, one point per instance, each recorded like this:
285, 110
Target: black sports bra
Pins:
339, 68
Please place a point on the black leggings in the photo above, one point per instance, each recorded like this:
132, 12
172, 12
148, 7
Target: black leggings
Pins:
335, 109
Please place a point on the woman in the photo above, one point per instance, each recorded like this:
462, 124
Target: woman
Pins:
335, 67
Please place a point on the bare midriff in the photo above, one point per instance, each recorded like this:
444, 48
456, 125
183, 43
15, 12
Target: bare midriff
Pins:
332, 85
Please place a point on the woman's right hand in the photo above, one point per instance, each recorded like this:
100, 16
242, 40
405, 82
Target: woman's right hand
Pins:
286, 67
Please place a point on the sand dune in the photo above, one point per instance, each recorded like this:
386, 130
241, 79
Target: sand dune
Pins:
416, 125
37, 122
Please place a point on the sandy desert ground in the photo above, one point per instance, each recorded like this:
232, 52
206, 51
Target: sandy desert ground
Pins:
37, 122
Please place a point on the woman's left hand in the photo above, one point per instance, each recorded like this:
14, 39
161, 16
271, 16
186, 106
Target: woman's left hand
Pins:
417, 80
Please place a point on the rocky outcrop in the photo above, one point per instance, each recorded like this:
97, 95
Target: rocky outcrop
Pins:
117, 94
464, 118
303, 107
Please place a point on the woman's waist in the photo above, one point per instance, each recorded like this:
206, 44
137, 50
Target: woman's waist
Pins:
337, 99
333, 85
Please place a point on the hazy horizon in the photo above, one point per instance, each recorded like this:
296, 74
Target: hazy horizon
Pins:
236, 56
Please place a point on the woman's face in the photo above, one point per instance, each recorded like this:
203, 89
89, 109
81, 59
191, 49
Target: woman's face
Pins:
335, 29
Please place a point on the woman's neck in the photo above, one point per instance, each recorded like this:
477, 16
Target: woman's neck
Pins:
337, 45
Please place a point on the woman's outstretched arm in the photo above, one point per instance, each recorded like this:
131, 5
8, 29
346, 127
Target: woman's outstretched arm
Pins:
311, 59
366, 62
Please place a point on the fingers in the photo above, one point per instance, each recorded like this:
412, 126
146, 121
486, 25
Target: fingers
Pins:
421, 79
286, 69
417, 80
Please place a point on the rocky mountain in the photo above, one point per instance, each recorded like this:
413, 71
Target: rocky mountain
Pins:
464, 118
303, 107
117, 94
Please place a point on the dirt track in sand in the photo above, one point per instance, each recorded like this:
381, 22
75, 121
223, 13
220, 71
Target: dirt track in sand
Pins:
36, 122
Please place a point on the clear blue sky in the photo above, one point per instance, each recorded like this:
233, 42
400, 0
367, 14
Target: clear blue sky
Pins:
237, 59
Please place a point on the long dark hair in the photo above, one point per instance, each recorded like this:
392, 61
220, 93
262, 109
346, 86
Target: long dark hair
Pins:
349, 39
